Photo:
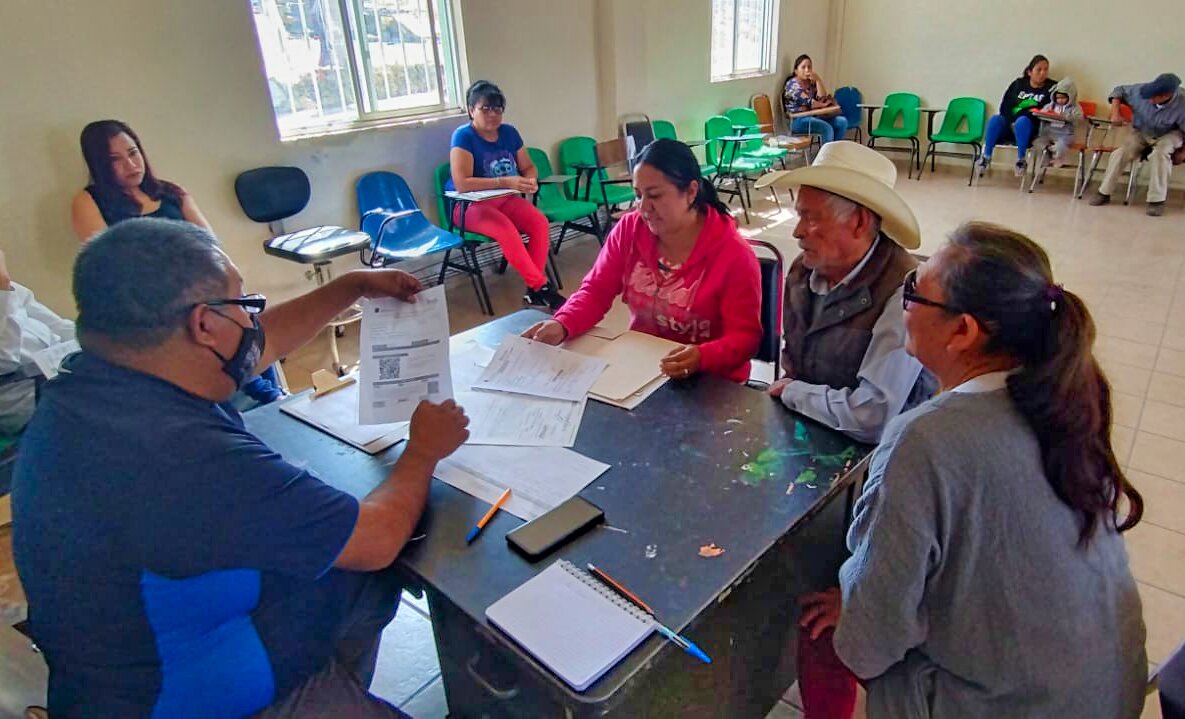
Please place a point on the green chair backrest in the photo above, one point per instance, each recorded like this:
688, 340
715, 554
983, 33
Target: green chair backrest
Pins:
746, 116
903, 105
664, 129
577, 150
439, 179
969, 110
715, 127
539, 159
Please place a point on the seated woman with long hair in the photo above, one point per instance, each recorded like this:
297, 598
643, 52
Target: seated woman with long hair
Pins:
680, 266
988, 577
122, 184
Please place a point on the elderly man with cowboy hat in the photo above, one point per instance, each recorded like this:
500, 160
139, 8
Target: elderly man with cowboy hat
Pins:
844, 337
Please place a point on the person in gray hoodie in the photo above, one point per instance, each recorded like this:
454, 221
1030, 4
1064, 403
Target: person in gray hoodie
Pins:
1058, 133
1158, 124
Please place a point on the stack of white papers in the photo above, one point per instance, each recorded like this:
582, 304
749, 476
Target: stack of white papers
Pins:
525, 366
336, 414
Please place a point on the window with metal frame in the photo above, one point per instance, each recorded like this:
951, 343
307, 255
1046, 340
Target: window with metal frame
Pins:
744, 38
334, 65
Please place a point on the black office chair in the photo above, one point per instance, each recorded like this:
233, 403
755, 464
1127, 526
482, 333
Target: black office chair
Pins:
272, 195
637, 128
772, 279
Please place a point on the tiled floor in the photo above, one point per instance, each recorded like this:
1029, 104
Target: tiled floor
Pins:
1127, 266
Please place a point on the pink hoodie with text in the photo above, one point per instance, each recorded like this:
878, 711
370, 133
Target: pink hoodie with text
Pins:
713, 300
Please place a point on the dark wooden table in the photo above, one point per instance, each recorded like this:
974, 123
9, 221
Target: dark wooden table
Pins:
701, 461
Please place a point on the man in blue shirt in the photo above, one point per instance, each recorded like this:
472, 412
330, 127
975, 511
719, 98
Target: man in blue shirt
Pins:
175, 565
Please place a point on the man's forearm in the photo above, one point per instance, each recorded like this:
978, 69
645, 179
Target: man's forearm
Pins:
388, 515
290, 325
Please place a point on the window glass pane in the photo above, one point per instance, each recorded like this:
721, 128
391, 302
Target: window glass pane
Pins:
306, 62
750, 30
401, 54
722, 38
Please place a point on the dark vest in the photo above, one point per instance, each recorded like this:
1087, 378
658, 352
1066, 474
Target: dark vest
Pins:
829, 351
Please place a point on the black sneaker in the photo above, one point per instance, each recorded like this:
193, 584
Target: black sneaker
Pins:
1155, 209
1099, 199
545, 296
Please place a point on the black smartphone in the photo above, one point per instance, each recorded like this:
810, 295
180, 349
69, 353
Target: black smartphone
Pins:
547, 531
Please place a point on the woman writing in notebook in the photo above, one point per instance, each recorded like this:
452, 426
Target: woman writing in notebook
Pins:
680, 266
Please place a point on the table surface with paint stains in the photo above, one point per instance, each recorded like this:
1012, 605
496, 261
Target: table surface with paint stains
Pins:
702, 461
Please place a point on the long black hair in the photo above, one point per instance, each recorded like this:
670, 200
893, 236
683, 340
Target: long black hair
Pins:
1004, 280
96, 150
676, 162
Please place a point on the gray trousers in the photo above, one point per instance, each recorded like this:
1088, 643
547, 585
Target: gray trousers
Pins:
340, 689
1159, 161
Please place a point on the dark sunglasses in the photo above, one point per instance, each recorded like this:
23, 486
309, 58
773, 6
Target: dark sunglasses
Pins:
910, 294
253, 304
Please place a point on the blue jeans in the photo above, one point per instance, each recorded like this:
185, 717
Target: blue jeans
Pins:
828, 128
999, 130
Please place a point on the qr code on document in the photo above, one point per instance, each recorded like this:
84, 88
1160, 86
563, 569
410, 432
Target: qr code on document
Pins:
389, 367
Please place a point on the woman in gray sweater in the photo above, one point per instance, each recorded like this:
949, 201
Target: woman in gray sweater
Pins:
988, 577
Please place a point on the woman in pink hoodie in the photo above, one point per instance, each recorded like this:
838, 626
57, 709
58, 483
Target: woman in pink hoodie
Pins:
680, 266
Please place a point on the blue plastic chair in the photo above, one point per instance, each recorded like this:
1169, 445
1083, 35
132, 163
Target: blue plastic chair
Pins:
399, 231
849, 99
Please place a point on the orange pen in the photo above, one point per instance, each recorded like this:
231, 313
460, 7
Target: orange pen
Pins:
488, 516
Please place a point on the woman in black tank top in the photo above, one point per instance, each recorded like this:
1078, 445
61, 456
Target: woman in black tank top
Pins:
122, 185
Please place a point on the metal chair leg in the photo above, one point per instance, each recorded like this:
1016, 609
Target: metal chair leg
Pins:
1132, 173
443, 267
484, 294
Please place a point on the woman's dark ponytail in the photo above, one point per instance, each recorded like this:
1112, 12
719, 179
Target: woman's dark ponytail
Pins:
677, 163
1003, 279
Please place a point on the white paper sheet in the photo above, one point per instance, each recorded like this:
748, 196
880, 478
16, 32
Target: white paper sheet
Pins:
519, 420
49, 359
540, 478
527, 367
479, 195
405, 356
336, 414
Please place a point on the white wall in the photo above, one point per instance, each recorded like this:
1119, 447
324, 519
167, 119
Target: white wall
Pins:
187, 77
942, 49
660, 65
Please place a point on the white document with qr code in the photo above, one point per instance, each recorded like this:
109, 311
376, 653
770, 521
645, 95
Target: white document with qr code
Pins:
404, 356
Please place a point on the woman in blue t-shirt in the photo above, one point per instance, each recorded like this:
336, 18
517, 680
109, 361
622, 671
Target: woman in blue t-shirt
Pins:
122, 185
488, 154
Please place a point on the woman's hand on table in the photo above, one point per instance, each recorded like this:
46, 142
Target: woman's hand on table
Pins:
681, 362
548, 332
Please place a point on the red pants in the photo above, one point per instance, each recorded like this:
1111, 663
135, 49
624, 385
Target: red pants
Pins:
828, 687
505, 219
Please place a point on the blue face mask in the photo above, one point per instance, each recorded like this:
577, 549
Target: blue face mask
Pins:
240, 366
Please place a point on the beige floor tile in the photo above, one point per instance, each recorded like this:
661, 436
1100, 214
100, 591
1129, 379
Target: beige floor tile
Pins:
1129, 328
1171, 361
1164, 618
1164, 500
1151, 708
1125, 409
1174, 338
1155, 454
1167, 420
1167, 388
1126, 379
1135, 354
1158, 557
1122, 439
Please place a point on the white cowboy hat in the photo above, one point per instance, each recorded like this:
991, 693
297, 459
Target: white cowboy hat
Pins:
866, 177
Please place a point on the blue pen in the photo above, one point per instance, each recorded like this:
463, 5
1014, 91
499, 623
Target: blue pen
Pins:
684, 644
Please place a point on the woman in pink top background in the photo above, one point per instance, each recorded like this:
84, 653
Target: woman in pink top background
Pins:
680, 266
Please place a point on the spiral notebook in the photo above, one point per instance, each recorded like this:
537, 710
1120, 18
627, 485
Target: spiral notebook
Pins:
573, 624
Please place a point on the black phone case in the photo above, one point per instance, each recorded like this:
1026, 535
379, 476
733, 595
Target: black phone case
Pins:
570, 531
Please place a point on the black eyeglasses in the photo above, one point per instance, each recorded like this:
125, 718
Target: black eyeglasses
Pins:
252, 304
491, 109
910, 294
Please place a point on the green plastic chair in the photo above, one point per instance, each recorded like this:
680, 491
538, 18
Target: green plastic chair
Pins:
731, 167
899, 121
582, 151
755, 148
664, 129
472, 239
552, 202
970, 112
